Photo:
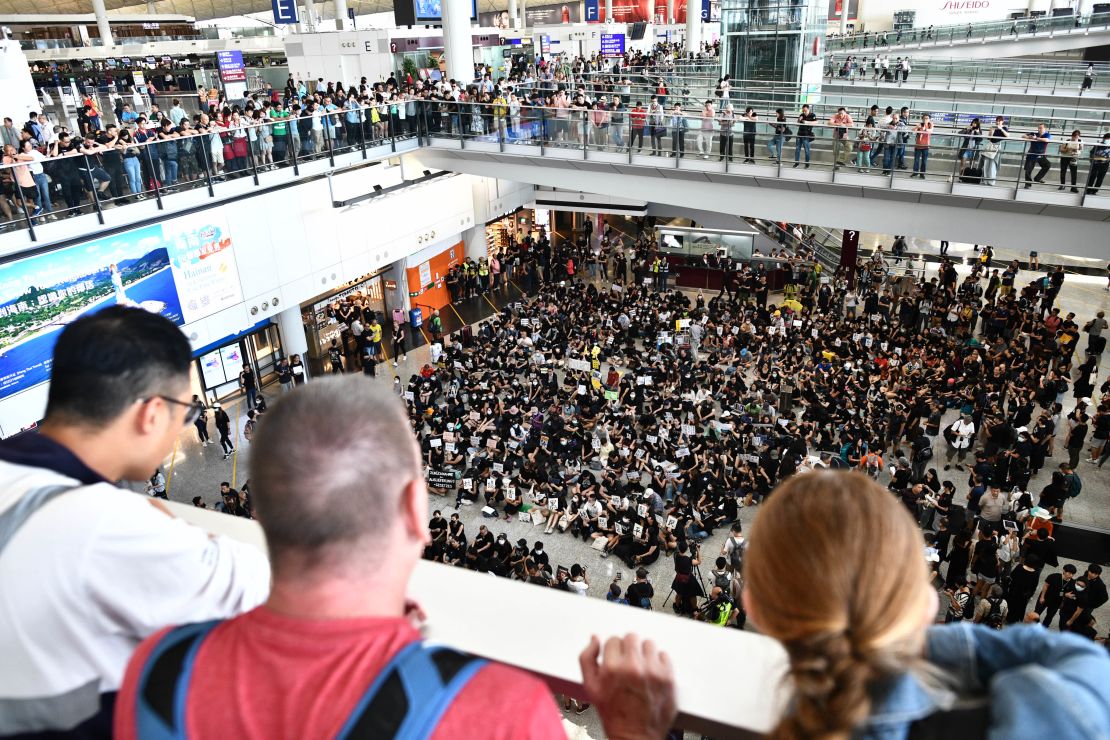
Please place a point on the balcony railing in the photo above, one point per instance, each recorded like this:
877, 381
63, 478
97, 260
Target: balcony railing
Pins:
461, 605
96, 177
1023, 28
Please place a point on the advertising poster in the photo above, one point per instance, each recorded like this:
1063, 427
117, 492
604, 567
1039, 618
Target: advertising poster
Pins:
837, 8
541, 15
636, 11
432, 10
200, 251
40, 295
212, 370
232, 358
183, 268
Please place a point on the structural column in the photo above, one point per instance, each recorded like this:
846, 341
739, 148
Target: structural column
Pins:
651, 11
693, 26
670, 12
293, 339
608, 11
458, 46
102, 23
844, 20
340, 15
514, 20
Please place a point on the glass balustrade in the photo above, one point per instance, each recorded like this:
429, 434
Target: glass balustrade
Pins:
969, 32
97, 177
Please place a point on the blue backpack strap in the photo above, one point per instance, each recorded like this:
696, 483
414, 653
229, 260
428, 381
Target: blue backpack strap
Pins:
163, 689
411, 693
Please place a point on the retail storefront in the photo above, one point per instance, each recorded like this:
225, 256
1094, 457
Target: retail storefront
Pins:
218, 364
522, 221
323, 320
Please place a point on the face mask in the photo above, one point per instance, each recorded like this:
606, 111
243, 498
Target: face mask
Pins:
539, 550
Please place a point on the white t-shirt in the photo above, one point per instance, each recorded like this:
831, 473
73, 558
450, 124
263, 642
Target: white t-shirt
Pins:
578, 587
90, 575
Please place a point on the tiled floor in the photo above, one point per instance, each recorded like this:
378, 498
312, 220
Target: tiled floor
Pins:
193, 470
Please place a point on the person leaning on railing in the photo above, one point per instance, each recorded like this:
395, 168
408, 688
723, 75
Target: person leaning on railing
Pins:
337, 485
854, 608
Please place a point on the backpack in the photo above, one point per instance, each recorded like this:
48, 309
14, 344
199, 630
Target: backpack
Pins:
736, 554
722, 580
429, 677
994, 617
1075, 486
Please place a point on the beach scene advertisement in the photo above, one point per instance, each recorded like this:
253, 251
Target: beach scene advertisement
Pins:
40, 295
203, 262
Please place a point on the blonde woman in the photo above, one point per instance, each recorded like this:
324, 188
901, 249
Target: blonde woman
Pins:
853, 605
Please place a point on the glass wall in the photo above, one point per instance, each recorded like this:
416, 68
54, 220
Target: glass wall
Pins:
771, 40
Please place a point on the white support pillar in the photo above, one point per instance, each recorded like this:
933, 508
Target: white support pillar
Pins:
340, 15
457, 44
693, 26
844, 20
523, 13
102, 23
514, 19
293, 339
670, 12
651, 14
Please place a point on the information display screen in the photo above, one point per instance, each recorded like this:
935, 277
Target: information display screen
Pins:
612, 44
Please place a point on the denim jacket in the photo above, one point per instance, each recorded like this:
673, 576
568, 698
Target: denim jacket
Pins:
1039, 684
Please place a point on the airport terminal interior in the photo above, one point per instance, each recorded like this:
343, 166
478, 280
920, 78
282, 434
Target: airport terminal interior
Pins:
598, 283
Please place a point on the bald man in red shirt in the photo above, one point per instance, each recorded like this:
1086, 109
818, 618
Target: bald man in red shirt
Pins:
338, 488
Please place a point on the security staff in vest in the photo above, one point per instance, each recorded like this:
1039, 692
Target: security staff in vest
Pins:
88, 570
337, 486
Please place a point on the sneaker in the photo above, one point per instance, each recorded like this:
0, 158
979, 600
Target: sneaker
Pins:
1075, 190
395, 363
807, 165
467, 502
1060, 188
36, 212
796, 165
581, 708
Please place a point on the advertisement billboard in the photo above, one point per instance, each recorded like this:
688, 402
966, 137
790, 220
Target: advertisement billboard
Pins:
837, 8
636, 11
541, 15
431, 11
182, 269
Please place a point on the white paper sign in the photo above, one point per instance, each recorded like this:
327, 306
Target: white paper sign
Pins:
671, 522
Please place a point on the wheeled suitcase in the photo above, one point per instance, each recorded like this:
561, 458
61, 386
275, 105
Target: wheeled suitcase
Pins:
467, 336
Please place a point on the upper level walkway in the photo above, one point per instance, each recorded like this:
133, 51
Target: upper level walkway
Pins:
956, 187
1049, 84
988, 40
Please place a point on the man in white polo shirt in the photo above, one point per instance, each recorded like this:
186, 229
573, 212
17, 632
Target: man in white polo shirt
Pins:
88, 570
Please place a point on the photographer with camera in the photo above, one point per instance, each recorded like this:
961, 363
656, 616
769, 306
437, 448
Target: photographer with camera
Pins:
686, 586
720, 610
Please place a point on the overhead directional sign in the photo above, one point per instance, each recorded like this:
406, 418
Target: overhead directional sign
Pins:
285, 11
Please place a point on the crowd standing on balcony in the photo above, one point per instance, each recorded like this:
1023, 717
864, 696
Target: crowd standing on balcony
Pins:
570, 102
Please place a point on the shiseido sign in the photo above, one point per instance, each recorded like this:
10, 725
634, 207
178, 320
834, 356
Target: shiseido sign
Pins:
959, 7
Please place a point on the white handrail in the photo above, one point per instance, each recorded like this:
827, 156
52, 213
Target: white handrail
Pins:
473, 612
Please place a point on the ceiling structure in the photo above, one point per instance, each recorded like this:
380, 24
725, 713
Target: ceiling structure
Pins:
206, 9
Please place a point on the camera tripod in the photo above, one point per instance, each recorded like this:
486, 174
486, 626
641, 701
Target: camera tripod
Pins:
695, 552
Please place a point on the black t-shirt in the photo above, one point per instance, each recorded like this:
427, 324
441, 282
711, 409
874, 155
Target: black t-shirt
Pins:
805, 131
638, 591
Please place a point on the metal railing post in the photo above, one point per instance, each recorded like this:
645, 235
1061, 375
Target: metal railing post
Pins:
293, 147
362, 131
205, 154
253, 161
329, 132
96, 191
